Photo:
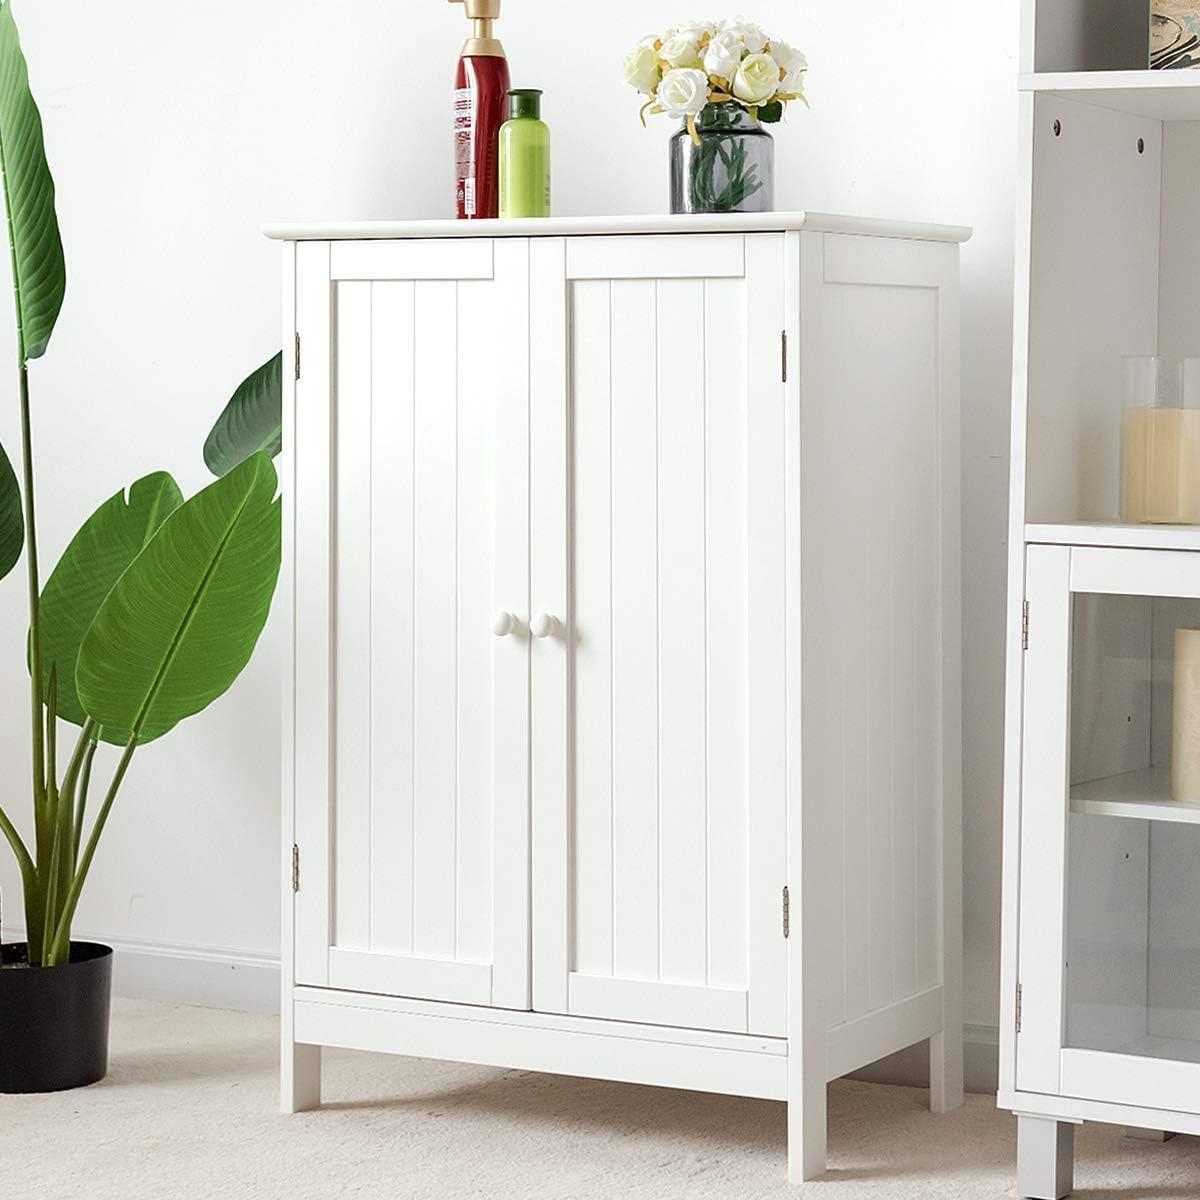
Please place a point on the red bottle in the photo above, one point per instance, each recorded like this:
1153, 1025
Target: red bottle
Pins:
480, 104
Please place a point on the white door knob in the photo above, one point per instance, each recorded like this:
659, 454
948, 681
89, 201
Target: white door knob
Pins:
503, 623
545, 625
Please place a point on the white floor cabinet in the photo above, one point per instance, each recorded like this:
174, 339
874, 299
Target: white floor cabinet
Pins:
622, 719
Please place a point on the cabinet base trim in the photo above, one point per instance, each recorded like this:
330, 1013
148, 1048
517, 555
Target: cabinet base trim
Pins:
858, 1043
364, 971
655, 1003
730, 1064
1068, 1108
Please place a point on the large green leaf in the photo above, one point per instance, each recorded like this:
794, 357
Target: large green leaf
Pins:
108, 541
182, 621
40, 274
252, 420
12, 523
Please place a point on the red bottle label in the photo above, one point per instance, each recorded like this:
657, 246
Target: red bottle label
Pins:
464, 150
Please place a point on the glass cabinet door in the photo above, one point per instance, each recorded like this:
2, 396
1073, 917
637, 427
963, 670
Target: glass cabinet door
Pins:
1110, 828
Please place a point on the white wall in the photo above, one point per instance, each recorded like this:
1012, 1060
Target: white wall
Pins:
174, 130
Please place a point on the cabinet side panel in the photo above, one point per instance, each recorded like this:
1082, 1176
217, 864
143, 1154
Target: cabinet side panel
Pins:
879, 439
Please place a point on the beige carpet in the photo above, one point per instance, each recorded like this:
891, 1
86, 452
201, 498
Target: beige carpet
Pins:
188, 1112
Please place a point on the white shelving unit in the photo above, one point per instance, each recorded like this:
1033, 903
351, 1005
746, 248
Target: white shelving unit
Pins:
1100, 1006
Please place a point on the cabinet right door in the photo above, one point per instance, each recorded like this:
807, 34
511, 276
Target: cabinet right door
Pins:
658, 550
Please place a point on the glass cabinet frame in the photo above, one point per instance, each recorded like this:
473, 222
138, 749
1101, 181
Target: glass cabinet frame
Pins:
1103, 818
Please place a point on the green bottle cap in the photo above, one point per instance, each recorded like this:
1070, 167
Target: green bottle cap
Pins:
524, 102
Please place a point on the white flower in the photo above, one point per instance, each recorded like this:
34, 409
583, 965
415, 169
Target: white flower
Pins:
682, 50
790, 60
722, 55
757, 79
747, 33
642, 70
696, 29
683, 92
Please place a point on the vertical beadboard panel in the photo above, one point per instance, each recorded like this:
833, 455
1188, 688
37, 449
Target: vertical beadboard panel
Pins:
681, 627
475, 572
932, 794
352, 618
392, 642
725, 631
435, 799
910, 521
876, 421
635, 630
593, 549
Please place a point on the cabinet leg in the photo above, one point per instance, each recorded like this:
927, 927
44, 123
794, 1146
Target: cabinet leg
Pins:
946, 1070
806, 1131
1148, 1135
299, 1078
1045, 1158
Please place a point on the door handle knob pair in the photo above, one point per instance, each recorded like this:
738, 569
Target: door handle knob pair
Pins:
543, 625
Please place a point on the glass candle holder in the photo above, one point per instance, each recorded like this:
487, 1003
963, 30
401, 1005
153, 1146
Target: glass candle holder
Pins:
1160, 441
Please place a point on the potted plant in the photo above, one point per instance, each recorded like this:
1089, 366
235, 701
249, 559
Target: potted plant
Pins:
150, 614
725, 80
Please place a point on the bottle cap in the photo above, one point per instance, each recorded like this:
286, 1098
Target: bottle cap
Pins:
524, 102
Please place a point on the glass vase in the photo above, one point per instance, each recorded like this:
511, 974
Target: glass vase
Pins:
731, 170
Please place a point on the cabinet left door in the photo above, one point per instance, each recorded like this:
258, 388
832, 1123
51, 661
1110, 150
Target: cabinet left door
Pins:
409, 765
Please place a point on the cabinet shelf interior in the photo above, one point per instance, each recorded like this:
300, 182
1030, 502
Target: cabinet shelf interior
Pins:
1114, 271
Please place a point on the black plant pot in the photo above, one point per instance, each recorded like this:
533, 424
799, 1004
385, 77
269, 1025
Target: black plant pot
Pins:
54, 1020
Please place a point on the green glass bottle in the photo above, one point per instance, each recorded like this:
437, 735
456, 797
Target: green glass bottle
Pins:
524, 157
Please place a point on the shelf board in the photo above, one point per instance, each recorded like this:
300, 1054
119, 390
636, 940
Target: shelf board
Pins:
1160, 95
1114, 533
1144, 795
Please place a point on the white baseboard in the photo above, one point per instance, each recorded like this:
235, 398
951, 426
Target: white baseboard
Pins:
207, 976
212, 977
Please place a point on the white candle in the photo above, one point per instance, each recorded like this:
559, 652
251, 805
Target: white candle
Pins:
1160, 466
1185, 745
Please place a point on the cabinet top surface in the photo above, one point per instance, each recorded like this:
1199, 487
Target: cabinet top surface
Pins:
775, 222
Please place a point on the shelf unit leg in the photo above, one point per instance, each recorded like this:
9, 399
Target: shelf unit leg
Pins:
300, 1078
946, 1070
1045, 1158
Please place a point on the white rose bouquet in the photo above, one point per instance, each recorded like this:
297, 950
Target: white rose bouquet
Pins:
726, 62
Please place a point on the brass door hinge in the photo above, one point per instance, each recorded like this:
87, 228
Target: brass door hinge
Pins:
1025, 625
1018, 1008
787, 913
295, 868
783, 354
297, 359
